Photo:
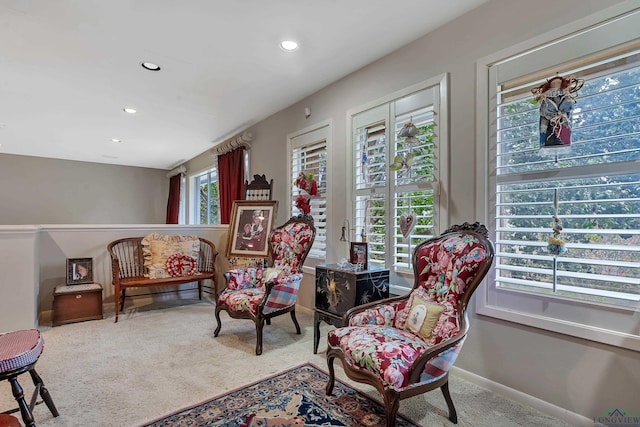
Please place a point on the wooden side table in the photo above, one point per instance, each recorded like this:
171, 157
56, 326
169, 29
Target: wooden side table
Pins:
338, 290
77, 303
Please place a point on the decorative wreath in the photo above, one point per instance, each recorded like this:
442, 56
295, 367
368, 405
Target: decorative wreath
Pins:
181, 265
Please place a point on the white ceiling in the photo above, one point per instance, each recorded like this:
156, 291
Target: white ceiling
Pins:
69, 67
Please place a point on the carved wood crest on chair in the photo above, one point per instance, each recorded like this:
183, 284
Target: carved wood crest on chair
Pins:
260, 294
405, 346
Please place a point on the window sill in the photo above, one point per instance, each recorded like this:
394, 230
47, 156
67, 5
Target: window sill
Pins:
606, 336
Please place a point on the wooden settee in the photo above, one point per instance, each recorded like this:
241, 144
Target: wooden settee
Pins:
127, 268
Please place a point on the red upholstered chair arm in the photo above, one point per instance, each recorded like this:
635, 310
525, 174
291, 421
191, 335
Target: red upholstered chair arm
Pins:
419, 364
346, 318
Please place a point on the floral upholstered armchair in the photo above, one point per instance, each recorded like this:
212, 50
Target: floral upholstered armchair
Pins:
262, 293
404, 346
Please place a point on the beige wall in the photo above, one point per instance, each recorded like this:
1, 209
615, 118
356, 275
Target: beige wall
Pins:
35, 190
578, 375
33, 263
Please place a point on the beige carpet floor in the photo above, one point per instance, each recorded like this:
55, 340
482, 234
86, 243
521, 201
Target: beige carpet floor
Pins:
161, 358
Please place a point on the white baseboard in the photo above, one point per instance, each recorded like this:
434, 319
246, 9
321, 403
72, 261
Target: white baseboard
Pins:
543, 406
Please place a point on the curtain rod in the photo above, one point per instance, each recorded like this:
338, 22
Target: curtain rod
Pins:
241, 140
176, 171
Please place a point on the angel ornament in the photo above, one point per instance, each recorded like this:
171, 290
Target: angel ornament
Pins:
409, 132
557, 97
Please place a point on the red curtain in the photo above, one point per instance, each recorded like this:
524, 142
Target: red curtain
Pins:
173, 204
230, 181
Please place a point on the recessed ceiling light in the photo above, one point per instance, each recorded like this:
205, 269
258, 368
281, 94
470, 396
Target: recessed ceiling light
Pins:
129, 110
115, 140
150, 66
288, 45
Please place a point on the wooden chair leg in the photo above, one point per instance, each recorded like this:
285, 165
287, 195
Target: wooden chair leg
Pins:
259, 325
295, 321
391, 406
116, 297
123, 296
18, 394
44, 393
217, 313
332, 376
453, 415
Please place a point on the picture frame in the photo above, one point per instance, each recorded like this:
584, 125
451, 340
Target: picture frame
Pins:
79, 271
358, 248
250, 226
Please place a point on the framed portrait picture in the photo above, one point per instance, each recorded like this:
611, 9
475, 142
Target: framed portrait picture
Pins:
359, 254
79, 271
251, 223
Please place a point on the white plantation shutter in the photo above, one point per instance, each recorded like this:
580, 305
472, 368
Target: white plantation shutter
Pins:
382, 195
308, 154
414, 186
592, 290
597, 182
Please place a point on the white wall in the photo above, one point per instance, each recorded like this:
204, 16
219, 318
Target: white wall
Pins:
578, 375
35, 190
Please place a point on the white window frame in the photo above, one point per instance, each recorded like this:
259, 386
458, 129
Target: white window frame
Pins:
193, 197
307, 136
598, 32
402, 281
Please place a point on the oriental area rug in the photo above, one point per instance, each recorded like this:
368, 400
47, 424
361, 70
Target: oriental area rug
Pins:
295, 398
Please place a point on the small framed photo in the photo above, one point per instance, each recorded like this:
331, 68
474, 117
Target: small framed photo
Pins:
251, 224
359, 254
79, 271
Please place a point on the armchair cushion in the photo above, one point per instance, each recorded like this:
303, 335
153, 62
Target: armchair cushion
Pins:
422, 317
242, 278
446, 325
246, 299
388, 353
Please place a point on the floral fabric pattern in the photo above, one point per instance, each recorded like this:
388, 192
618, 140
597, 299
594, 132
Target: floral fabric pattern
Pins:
241, 299
385, 351
381, 315
246, 286
376, 340
446, 267
244, 278
289, 243
447, 324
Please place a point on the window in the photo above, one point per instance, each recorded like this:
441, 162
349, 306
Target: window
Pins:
596, 185
396, 178
204, 197
593, 288
308, 154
